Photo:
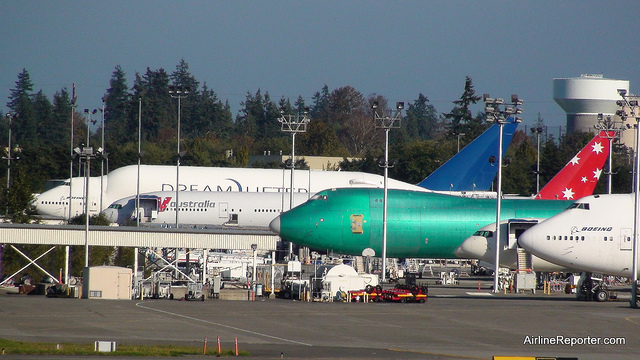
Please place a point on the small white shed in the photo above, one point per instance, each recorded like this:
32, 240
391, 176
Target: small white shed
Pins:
107, 282
343, 278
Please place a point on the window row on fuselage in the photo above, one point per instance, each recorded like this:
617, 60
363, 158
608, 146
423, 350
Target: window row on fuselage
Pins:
576, 237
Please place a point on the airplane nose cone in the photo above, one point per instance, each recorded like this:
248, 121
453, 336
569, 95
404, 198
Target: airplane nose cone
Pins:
275, 225
475, 247
526, 240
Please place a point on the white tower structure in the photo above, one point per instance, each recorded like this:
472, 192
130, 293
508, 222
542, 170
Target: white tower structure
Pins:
584, 97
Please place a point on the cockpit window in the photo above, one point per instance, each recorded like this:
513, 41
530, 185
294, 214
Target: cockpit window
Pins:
115, 206
584, 206
483, 233
319, 197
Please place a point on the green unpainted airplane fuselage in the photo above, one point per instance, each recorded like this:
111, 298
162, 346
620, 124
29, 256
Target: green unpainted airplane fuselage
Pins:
419, 224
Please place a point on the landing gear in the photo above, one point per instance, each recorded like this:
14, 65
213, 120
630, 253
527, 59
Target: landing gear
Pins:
593, 289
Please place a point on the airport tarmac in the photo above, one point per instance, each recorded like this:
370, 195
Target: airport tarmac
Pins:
457, 322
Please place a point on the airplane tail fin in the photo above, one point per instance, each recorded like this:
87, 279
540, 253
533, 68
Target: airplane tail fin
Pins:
470, 169
579, 177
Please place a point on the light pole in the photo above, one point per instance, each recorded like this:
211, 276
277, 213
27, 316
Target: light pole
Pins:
104, 149
86, 153
494, 113
89, 112
71, 157
9, 157
629, 109
178, 92
459, 135
293, 124
608, 125
537, 130
139, 158
387, 120
254, 248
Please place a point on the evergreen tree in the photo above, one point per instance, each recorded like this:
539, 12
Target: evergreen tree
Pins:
460, 118
119, 127
21, 104
45, 120
17, 200
320, 108
159, 112
421, 120
23, 88
188, 115
58, 131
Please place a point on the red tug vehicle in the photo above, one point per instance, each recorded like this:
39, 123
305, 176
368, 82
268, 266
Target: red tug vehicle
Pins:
400, 293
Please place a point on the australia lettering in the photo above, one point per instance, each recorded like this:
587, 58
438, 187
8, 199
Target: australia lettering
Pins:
166, 202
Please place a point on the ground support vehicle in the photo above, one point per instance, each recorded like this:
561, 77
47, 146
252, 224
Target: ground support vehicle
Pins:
370, 293
404, 294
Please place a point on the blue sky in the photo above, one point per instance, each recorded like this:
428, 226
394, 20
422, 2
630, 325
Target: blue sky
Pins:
394, 48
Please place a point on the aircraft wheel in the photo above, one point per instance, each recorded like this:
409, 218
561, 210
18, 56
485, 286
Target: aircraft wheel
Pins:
602, 295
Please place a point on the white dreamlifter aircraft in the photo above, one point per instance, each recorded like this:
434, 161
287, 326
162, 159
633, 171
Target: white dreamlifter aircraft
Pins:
122, 183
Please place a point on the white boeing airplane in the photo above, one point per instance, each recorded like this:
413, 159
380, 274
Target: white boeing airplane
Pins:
203, 208
593, 235
122, 183
578, 178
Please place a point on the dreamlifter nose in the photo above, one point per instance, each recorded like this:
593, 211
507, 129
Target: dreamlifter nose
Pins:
275, 225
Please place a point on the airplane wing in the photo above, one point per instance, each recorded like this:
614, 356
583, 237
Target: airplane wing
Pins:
579, 177
470, 169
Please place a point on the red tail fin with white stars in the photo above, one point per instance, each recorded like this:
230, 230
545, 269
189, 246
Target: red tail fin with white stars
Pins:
579, 177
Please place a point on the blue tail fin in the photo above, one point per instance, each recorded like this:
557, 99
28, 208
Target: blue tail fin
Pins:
470, 169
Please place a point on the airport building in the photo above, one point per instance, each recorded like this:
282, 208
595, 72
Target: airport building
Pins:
326, 163
588, 99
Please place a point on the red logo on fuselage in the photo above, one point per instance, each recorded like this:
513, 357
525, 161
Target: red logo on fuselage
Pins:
163, 204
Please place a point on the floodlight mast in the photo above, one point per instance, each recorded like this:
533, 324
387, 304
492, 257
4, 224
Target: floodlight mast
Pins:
293, 124
537, 130
386, 119
629, 109
498, 111
613, 133
178, 92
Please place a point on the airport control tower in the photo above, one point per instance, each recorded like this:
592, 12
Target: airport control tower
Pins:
584, 97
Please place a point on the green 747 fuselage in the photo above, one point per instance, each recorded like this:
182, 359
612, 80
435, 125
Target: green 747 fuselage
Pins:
419, 224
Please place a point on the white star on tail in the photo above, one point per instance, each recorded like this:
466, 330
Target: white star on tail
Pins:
597, 148
584, 179
575, 160
567, 193
596, 173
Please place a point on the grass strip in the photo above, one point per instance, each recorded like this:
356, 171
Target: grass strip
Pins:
30, 348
